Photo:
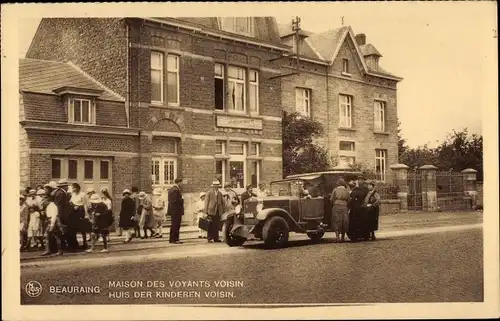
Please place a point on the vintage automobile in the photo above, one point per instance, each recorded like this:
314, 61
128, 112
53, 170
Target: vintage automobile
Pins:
298, 203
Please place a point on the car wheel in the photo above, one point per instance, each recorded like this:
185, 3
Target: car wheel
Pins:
316, 236
230, 239
275, 232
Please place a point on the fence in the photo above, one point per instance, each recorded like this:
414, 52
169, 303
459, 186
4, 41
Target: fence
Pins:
416, 195
450, 192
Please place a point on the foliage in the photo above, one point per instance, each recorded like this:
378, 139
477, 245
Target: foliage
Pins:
366, 171
300, 153
458, 151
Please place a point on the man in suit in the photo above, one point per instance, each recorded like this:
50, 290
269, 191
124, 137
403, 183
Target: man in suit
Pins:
175, 210
214, 207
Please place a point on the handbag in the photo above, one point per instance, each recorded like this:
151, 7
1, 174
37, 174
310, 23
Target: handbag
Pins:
204, 223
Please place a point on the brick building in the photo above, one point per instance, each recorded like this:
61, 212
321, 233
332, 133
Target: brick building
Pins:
342, 85
140, 101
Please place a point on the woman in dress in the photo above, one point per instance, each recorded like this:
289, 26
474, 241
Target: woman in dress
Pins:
106, 198
372, 206
78, 207
147, 221
200, 213
35, 230
158, 210
127, 213
340, 215
101, 221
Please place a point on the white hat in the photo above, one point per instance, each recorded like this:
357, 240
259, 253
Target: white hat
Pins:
62, 182
32, 192
202, 194
104, 189
22, 197
51, 184
126, 191
157, 191
95, 199
90, 190
142, 195
215, 183
40, 192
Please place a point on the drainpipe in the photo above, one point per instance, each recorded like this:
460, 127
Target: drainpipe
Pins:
128, 73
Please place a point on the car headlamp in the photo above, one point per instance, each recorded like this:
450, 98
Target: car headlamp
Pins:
237, 209
259, 207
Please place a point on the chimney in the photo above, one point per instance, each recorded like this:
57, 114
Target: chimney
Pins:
361, 39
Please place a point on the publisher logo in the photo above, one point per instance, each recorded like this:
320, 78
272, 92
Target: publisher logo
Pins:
33, 289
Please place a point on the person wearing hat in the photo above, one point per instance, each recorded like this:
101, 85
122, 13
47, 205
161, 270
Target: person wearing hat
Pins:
158, 210
101, 221
106, 198
176, 210
61, 199
147, 220
35, 230
78, 208
232, 195
200, 207
371, 204
214, 208
247, 194
53, 235
137, 215
24, 220
340, 216
127, 213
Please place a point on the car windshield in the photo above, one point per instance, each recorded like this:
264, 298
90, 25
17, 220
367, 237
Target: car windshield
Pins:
285, 188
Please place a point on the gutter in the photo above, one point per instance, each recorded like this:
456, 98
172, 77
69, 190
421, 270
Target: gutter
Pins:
216, 34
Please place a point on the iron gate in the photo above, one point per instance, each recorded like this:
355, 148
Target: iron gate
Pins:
416, 199
450, 192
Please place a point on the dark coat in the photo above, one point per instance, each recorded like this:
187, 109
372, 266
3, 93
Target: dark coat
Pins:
246, 195
175, 202
61, 199
214, 204
127, 213
101, 218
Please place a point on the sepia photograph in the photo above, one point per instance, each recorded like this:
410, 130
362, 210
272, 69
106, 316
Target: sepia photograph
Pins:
252, 156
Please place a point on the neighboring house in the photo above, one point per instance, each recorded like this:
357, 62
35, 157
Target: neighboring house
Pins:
342, 85
192, 97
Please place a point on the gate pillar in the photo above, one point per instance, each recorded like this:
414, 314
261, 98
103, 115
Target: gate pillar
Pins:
429, 194
401, 181
470, 187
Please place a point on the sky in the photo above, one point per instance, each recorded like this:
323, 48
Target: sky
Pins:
446, 53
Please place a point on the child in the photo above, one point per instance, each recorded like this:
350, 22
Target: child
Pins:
101, 221
158, 210
35, 231
200, 208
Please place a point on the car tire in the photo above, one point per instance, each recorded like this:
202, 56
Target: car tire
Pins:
275, 232
229, 239
316, 236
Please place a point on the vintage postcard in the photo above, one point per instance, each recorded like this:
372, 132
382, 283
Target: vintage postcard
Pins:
250, 160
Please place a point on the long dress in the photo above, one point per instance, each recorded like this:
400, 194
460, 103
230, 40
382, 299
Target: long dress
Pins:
340, 214
158, 209
356, 210
372, 211
147, 217
35, 221
127, 213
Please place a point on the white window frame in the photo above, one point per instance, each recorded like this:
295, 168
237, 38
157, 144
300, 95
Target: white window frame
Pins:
71, 111
162, 76
345, 66
256, 85
259, 162
250, 26
240, 158
175, 70
221, 77
346, 106
347, 153
303, 101
381, 156
237, 81
161, 170
379, 116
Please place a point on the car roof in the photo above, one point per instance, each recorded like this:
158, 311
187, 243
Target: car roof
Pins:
311, 176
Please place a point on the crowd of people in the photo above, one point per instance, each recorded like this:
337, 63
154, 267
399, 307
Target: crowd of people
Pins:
356, 202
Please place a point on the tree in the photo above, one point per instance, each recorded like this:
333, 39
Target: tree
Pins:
300, 153
402, 146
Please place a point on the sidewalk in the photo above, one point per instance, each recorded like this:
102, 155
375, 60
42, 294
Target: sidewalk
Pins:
189, 234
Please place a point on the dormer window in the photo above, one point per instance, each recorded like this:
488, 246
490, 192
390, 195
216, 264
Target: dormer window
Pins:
372, 62
241, 25
81, 111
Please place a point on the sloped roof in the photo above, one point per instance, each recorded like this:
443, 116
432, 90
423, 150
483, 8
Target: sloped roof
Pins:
327, 43
43, 76
369, 49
